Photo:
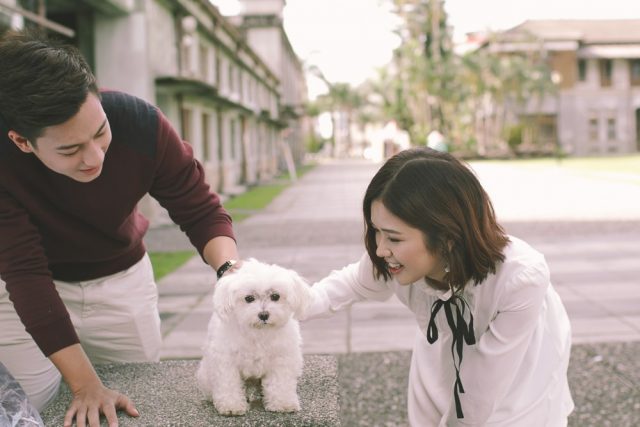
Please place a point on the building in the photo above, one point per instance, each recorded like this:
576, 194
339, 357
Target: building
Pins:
595, 65
190, 61
261, 23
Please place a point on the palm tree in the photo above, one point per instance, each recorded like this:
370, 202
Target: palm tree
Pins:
341, 101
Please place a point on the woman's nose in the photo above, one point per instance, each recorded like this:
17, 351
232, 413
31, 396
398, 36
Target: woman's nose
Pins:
382, 251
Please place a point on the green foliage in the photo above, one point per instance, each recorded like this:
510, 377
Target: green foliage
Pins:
239, 207
165, 262
259, 197
430, 87
314, 143
513, 136
312, 109
255, 198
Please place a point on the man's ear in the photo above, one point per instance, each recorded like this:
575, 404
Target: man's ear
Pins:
21, 142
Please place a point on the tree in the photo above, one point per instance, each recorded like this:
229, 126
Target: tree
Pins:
470, 98
425, 62
341, 101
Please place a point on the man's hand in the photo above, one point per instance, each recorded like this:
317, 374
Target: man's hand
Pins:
234, 267
90, 397
95, 399
220, 250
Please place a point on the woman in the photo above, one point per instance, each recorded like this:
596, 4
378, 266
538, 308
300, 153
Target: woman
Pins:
493, 343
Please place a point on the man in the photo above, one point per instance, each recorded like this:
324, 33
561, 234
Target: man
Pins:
74, 163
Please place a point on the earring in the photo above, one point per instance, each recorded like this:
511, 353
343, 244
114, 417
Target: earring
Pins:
446, 268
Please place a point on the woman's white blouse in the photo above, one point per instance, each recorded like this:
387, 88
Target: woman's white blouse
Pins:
516, 373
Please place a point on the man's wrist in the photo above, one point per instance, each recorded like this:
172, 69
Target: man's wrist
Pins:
226, 266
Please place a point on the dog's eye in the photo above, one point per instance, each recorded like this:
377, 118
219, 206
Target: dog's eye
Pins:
249, 298
275, 297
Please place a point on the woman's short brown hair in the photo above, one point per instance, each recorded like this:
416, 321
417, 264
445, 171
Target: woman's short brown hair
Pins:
441, 196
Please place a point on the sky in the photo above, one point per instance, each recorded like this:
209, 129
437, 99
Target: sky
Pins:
349, 39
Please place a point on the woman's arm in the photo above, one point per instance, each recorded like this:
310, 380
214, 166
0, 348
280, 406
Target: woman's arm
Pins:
341, 288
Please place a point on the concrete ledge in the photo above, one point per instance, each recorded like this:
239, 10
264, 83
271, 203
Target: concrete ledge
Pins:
166, 394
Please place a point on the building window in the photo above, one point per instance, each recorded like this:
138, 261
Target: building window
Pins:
214, 67
611, 129
230, 77
186, 123
606, 71
593, 130
634, 72
237, 84
224, 76
206, 138
232, 137
204, 62
187, 58
548, 132
582, 70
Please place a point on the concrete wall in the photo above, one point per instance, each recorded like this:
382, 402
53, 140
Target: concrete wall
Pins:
121, 54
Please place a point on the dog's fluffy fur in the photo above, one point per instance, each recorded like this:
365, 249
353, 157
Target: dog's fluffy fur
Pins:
254, 333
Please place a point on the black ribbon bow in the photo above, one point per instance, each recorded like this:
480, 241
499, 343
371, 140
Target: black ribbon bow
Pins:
462, 332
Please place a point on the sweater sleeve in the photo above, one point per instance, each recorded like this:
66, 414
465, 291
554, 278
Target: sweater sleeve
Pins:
490, 367
179, 185
24, 268
342, 288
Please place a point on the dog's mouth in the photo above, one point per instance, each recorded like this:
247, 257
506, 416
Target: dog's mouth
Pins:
263, 324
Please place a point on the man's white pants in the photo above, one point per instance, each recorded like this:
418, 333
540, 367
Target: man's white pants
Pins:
116, 318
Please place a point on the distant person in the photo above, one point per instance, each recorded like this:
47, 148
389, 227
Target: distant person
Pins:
493, 340
74, 163
437, 141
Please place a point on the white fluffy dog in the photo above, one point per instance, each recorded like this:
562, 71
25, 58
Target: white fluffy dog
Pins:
254, 334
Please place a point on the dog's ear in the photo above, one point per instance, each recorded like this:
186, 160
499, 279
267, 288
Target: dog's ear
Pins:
301, 297
223, 297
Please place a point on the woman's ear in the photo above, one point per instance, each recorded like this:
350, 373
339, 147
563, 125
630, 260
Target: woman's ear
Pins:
21, 142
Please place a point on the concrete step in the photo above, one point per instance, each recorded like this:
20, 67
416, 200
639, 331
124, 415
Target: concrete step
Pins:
166, 394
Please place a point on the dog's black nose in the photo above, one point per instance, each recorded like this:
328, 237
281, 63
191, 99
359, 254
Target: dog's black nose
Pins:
263, 315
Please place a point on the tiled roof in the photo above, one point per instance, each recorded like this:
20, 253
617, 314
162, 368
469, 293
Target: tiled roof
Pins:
584, 31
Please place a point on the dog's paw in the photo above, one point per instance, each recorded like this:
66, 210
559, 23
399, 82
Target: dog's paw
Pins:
232, 408
282, 406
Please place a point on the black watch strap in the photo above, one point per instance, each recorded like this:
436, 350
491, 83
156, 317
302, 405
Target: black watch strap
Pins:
226, 266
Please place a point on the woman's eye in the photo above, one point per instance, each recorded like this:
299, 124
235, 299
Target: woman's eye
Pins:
249, 298
275, 297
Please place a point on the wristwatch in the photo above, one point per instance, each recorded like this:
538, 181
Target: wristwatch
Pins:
226, 266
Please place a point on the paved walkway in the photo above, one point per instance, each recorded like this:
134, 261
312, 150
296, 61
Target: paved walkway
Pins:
587, 226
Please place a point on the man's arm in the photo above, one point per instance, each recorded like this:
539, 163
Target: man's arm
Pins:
90, 396
179, 185
220, 250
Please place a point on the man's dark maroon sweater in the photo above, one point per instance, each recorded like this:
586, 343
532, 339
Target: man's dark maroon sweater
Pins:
55, 228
